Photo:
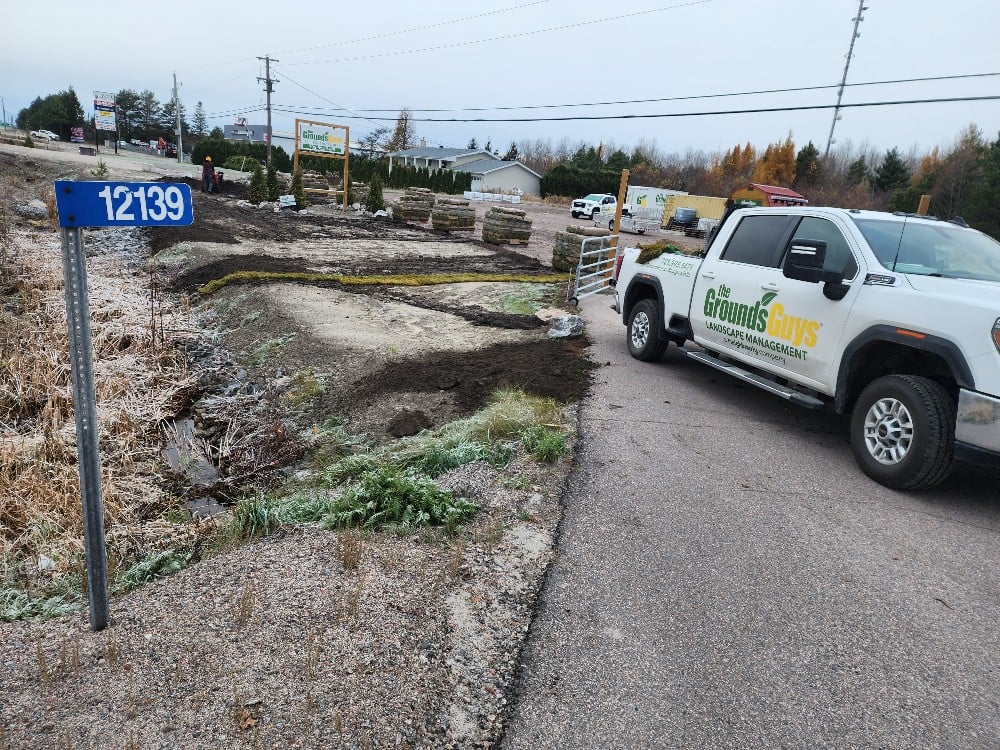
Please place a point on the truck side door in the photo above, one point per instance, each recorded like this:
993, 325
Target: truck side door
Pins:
744, 306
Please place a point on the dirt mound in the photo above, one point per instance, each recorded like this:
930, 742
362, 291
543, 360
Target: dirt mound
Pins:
555, 369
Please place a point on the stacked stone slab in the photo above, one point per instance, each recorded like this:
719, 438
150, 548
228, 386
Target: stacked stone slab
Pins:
315, 181
506, 226
360, 190
566, 251
453, 215
414, 205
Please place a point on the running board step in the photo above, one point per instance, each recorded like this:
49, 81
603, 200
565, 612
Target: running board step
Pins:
810, 402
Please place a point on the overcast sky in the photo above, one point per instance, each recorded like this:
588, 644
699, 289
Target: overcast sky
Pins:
340, 61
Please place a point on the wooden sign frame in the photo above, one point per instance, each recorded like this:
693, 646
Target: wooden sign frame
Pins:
345, 157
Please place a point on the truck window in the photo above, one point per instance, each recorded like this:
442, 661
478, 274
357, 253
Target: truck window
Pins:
838, 253
758, 240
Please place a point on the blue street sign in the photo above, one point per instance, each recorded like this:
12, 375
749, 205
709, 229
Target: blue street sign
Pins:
123, 204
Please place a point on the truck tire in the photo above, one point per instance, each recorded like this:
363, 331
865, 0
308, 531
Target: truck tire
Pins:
903, 432
576, 214
594, 213
644, 339
611, 225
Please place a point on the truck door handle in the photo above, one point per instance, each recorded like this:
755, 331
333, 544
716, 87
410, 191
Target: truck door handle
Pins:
708, 274
770, 287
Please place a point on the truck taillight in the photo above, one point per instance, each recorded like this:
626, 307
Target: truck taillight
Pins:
996, 334
620, 256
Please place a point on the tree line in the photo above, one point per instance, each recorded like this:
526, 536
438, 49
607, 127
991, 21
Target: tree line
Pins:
962, 179
140, 116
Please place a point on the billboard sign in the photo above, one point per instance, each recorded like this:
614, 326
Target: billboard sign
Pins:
316, 139
104, 111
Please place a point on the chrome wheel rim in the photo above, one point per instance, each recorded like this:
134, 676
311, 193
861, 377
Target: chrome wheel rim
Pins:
888, 431
640, 330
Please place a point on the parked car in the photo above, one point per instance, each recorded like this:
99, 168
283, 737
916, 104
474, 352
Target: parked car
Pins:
171, 150
45, 134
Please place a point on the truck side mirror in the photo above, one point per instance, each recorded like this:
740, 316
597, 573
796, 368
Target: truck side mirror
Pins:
804, 260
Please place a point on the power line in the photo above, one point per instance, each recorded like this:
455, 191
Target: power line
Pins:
760, 110
518, 35
417, 28
681, 98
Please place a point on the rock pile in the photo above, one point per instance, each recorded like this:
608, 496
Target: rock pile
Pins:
414, 204
506, 226
453, 215
566, 251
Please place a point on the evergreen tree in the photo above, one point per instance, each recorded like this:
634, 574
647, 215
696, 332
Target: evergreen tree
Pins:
272, 181
127, 106
297, 188
858, 171
618, 160
982, 210
375, 202
512, 153
807, 167
199, 124
257, 191
217, 134
473, 146
148, 115
892, 173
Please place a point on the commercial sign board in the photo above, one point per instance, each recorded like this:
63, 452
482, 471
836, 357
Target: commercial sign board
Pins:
316, 139
104, 111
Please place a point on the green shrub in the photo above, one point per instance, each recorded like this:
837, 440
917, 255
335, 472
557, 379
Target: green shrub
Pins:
298, 190
220, 150
156, 565
404, 499
258, 186
544, 443
375, 201
253, 517
241, 163
28, 142
273, 189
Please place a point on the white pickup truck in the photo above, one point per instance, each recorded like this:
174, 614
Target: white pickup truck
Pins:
894, 319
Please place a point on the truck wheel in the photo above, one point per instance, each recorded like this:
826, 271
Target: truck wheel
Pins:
644, 340
576, 214
903, 432
611, 225
594, 213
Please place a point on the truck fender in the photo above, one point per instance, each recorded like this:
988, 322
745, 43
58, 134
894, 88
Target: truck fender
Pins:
941, 347
634, 293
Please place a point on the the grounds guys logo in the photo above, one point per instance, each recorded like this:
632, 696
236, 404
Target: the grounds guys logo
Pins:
763, 316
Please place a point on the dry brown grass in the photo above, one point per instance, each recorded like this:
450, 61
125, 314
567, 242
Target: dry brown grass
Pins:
136, 387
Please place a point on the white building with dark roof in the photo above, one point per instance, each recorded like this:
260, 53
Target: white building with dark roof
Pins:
489, 173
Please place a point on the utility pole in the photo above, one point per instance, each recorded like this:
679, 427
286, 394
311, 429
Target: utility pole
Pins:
843, 81
268, 81
180, 134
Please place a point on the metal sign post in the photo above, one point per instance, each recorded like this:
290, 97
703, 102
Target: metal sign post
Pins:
85, 409
100, 204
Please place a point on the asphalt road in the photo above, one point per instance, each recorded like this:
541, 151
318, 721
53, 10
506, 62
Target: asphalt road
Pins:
726, 577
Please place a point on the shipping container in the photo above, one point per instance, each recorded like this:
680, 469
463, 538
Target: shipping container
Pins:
705, 206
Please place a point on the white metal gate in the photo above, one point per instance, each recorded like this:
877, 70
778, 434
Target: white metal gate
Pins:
594, 269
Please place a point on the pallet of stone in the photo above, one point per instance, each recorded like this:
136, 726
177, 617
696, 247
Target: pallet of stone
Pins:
453, 215
408, 209
506, 226
421, 194
566, 250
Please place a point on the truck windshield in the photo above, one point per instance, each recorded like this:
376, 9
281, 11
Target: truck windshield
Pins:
941, 249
